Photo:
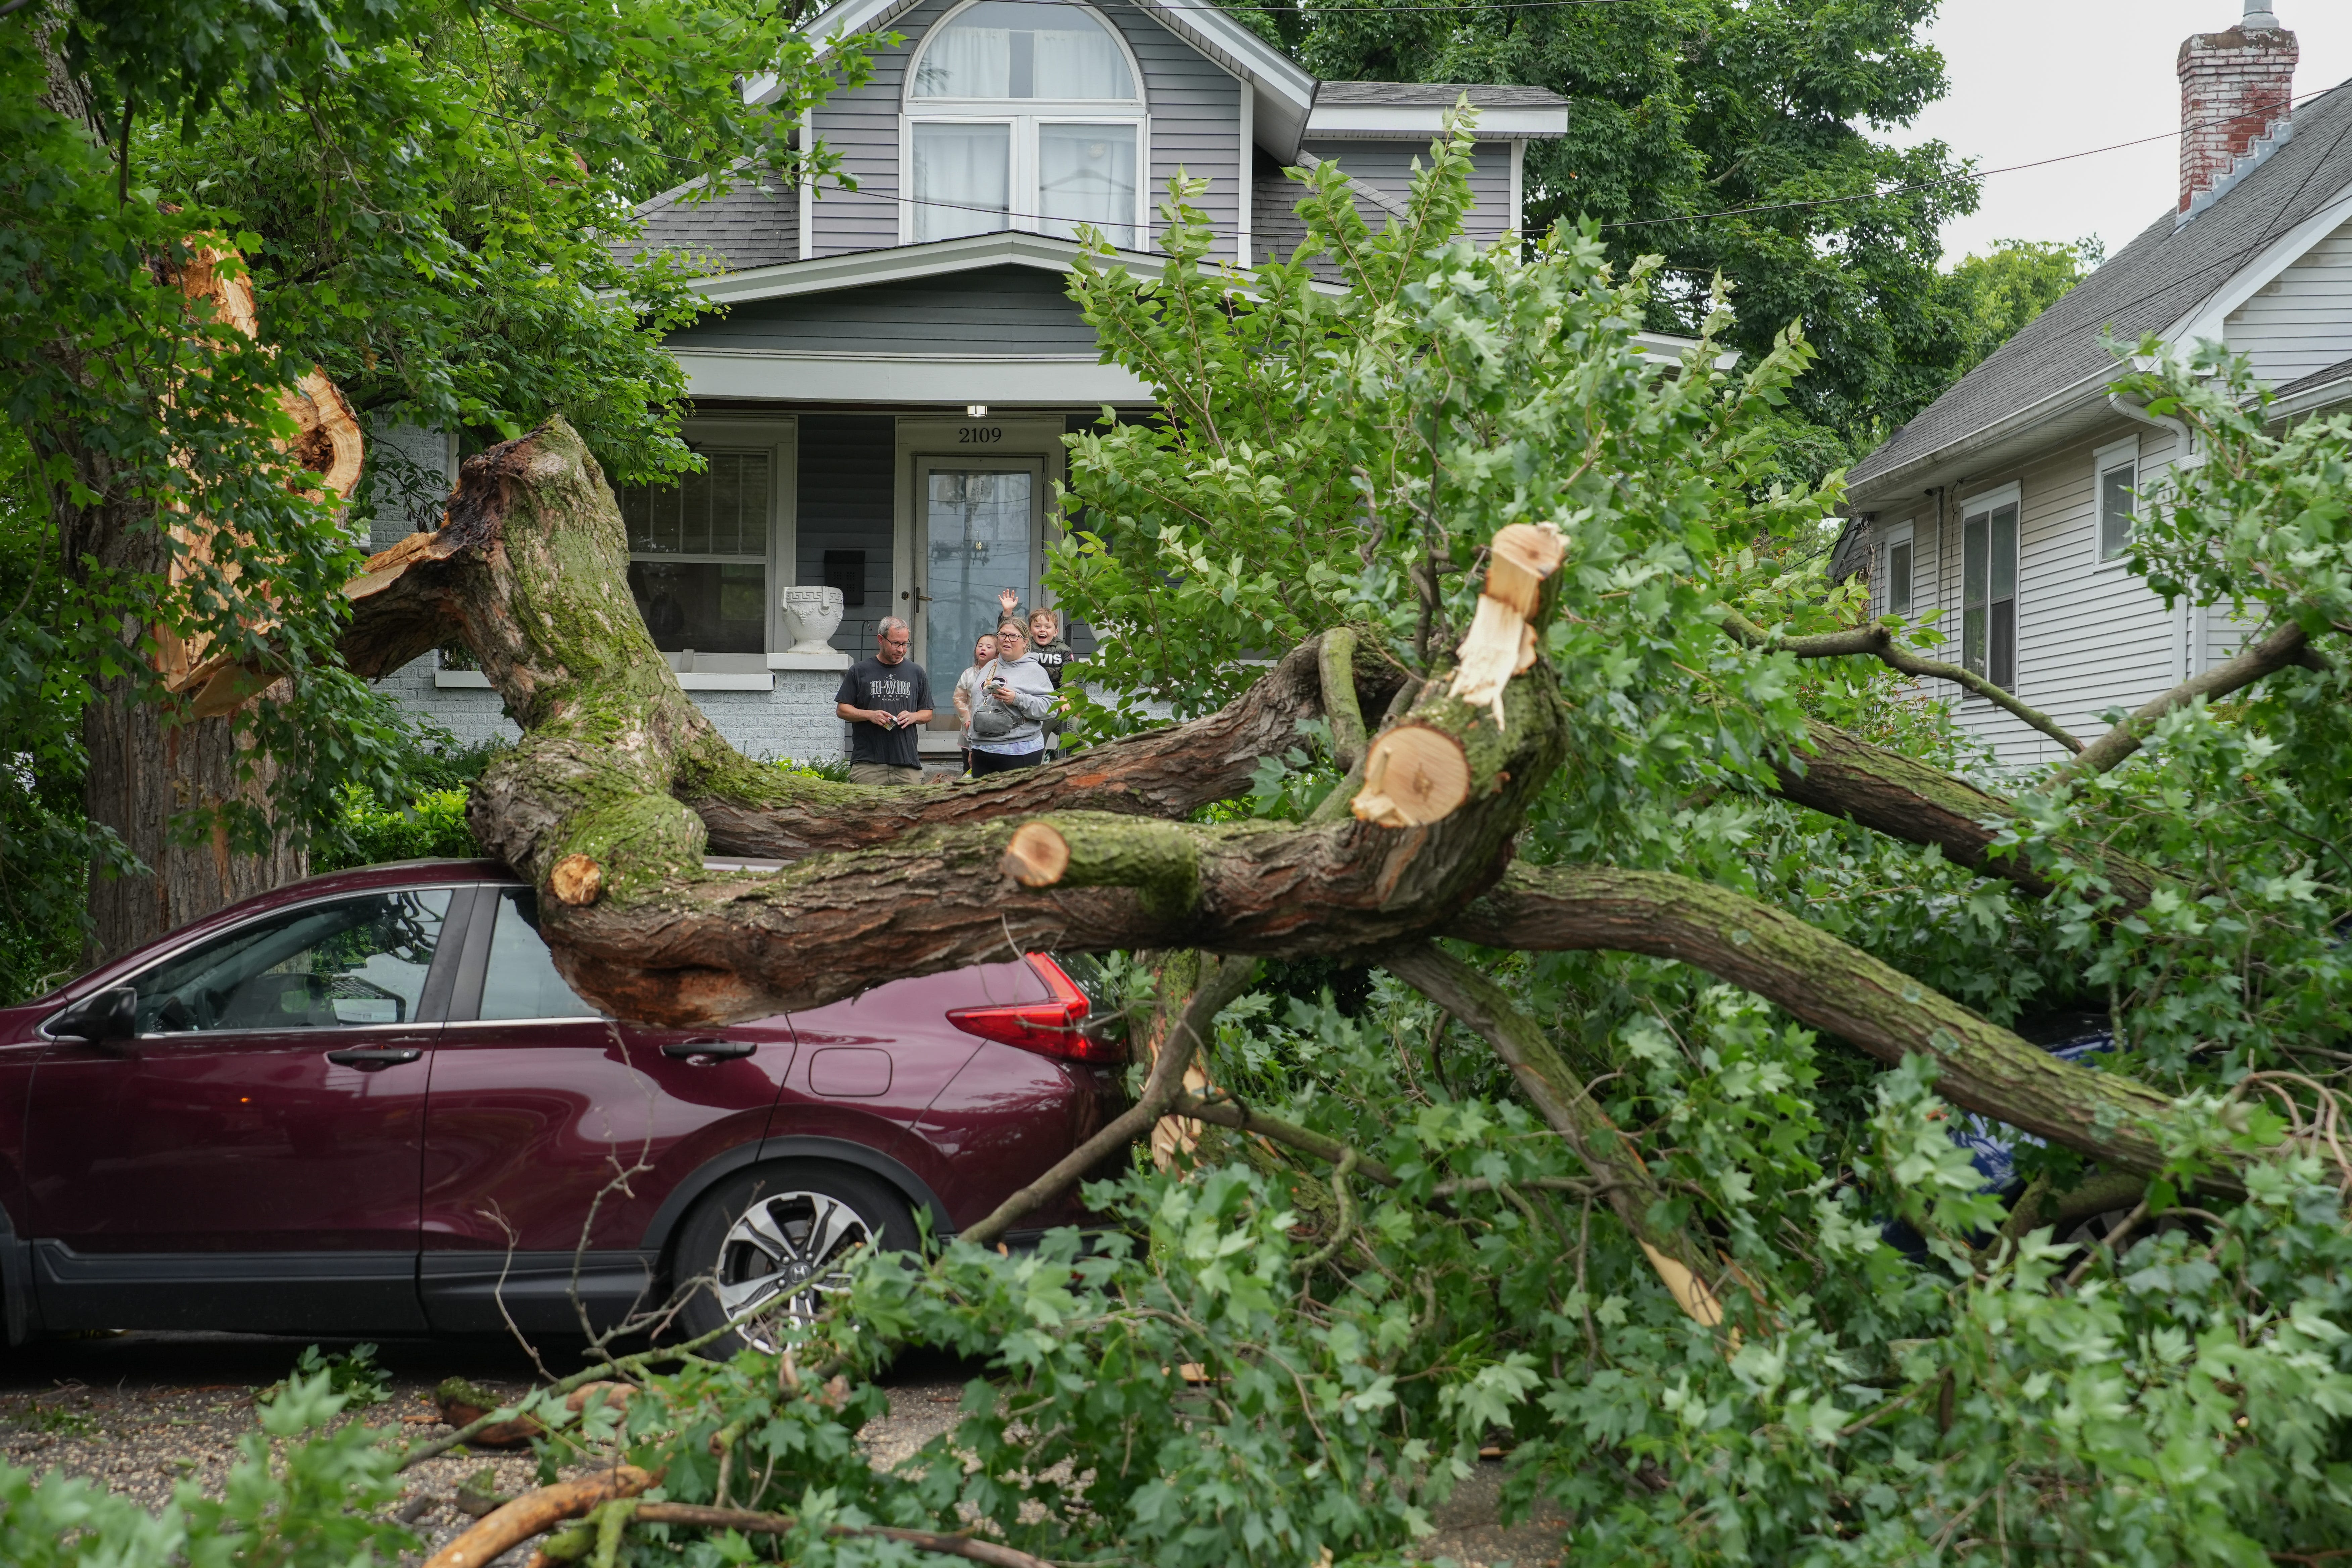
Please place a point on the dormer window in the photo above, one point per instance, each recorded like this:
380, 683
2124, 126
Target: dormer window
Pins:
1024, 114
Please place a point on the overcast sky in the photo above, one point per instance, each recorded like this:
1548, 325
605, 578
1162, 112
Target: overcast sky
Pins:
2034, 78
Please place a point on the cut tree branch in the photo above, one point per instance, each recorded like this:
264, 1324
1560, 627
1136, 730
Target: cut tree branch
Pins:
1483, 1006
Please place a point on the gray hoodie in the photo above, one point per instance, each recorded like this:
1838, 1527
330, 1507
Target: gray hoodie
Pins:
1033, 697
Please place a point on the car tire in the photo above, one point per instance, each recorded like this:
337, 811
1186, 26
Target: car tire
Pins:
756, 1248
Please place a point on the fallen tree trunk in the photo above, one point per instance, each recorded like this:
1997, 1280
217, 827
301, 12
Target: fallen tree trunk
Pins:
530, 569
1828, 985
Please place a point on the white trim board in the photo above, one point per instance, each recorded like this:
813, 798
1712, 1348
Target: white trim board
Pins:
1284, 90
721, 680
1050, 380
2210, 321
1421, 122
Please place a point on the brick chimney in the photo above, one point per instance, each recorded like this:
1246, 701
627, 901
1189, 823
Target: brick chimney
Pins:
2236, 91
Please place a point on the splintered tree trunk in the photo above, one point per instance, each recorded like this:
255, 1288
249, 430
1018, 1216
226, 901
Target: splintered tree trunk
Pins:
154, 765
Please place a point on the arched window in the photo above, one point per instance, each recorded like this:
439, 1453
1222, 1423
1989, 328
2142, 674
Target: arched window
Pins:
1025, 114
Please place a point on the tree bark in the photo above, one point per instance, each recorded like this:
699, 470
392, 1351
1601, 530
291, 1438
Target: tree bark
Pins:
1828, 985
1883, 790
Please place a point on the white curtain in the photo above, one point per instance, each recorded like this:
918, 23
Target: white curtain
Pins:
1086, 175
1005, 48
1078, 59
964, 180
965, 61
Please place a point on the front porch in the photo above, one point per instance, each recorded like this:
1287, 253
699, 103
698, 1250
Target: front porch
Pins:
922, 511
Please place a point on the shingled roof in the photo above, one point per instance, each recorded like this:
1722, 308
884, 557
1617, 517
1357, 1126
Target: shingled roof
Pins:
1436, 94
746, 228
2150, 284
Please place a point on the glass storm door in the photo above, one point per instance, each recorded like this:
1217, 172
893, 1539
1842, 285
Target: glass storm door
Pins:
980, 530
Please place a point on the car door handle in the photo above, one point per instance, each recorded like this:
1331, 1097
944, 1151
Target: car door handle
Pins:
724, 1050
380, 1056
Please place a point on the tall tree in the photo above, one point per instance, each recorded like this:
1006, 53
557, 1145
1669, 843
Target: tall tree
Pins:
2007, 287
414, 198
1610, 1173
1683, 109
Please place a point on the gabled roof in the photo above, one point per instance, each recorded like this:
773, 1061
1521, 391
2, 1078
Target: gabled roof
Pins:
1282, 90
2177, 281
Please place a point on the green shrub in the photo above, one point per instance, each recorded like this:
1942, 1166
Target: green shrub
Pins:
370, 834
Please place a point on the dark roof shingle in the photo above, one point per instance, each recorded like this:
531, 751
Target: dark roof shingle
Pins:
2145, 286
745, 229
1436, 94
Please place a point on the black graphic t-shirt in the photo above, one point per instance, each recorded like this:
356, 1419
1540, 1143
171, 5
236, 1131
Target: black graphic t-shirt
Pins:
884, 687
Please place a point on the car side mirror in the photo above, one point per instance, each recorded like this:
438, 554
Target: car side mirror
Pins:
102, 1020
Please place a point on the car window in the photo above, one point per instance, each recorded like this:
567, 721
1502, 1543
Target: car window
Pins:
522, 982
339, 965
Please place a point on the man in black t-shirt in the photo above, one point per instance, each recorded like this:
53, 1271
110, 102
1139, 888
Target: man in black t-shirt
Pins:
886, 700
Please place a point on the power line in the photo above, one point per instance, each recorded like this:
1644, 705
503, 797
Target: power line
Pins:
1917, 185
1969, 178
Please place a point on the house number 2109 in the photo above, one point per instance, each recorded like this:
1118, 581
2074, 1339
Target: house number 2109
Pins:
980, 435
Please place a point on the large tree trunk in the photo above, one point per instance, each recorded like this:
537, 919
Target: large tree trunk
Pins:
146, 773
163, 744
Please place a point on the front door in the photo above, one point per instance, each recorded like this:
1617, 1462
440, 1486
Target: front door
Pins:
252, 1155
980, 524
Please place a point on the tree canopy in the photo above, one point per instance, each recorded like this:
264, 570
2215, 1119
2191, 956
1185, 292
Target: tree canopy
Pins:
421, 199
1728, 138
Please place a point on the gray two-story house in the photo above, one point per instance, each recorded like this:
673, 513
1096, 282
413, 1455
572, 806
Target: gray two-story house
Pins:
883, 402
2005, 509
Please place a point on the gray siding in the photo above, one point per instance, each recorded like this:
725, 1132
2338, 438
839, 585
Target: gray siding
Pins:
846, 502
2090, 635
2302, 319
410, 473
1001, 309
1387, 167
1196, 123
861, 125
1195, 109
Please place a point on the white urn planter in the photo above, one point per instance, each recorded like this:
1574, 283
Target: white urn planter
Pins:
810, 618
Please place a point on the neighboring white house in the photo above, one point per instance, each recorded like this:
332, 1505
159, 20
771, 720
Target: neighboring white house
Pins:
884, 402
2007, 503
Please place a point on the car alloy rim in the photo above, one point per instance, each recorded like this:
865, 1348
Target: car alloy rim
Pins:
784, 1256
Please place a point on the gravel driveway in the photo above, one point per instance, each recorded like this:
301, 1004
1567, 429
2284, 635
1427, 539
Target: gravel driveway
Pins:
137, 1413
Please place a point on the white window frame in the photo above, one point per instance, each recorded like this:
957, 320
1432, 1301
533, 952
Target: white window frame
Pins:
2106, 461
1024, 115
1987, 502
1902, 533
778, 439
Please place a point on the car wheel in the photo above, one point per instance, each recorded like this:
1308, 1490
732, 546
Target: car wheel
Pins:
766, 1246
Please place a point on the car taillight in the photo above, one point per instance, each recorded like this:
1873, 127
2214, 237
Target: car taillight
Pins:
1050, 1028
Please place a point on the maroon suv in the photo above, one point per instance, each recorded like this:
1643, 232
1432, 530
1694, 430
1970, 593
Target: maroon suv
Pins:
367, 1104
